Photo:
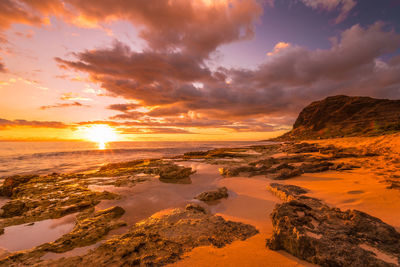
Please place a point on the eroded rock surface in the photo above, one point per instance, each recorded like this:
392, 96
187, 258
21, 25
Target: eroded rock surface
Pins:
173, 173
213, 195
168, 171
315, 232
161, 240
47, 197
90, 227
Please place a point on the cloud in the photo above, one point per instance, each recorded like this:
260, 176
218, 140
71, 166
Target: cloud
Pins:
280, 87
123, 107
152, 130
278, 48
166, 25
36, 124
152, 75
178, 24
345, 6
2, 66
74, 97
64, 105
128, 115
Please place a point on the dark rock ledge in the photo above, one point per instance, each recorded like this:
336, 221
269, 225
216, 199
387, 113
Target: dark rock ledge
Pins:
317, 233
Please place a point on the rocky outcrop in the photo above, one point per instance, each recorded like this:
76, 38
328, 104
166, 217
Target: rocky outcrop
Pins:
158, 241
340, 116
13, 182
309, 229
90, 227
48, 197
168, 172
213, 195
172, 173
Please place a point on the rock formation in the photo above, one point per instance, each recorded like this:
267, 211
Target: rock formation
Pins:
340, 116
310, 230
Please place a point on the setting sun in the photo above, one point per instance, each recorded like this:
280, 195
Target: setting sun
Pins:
101, 134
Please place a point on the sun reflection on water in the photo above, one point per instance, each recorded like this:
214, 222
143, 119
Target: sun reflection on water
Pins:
101, 145
101, 134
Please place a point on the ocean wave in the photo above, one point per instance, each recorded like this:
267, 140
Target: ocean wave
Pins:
166, 150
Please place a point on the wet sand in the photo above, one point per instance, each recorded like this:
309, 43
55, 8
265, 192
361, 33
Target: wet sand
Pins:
251, 203
356, 189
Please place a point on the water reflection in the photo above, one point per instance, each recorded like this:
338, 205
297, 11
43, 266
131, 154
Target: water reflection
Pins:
101, 145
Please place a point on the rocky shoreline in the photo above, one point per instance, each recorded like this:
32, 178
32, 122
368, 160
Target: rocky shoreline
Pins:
304, 226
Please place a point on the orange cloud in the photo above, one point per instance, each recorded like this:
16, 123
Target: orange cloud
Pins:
74, 97
64, 105
278, 48
36, 124
286, 82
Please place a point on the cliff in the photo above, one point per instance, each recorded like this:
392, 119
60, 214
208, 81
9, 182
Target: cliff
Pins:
345, 116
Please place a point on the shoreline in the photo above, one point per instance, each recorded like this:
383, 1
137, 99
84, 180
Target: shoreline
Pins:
111, 200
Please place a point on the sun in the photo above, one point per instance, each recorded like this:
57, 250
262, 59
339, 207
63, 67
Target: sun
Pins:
101, 134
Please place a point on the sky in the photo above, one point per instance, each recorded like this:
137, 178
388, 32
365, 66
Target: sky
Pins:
187, 69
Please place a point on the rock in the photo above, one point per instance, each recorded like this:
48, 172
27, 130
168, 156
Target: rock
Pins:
235, 171
213, 195
302, 148
14, 181
195, 154
13, 208
286, 192
284, 166
284, 174
312, 231
195, 208
265, 162
316, 167
216, 153
173, 173
49, 197
89, 228
340, 116
158, 241
343, 166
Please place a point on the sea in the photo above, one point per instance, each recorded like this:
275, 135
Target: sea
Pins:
65, 157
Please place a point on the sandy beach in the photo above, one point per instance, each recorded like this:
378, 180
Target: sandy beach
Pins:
346, 174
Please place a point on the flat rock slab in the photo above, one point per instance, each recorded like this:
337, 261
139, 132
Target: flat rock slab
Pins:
317, 233
161, 240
